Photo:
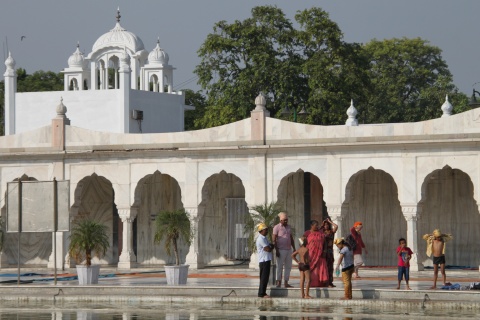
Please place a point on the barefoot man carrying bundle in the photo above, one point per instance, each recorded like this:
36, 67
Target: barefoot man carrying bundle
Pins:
436, 245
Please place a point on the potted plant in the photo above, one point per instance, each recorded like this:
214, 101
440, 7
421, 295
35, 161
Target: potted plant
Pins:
171, 226
88, 237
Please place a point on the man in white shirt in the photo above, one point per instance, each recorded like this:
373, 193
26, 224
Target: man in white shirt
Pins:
264, 252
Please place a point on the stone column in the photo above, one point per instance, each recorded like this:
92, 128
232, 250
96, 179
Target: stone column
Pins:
125, 79
335, 214
411, 214
59, 237
127, 258
193, 257
93, 76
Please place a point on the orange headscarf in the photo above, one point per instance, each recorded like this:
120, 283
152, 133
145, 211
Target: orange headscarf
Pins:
356, 224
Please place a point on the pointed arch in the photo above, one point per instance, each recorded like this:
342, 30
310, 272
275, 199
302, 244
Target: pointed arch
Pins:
448, 204
213, 218
371, 196
154, 193
94, 198
300, 193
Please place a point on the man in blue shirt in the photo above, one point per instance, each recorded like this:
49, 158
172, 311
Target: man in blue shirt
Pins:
264, 252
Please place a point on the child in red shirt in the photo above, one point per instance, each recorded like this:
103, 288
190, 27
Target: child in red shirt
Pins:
404, 255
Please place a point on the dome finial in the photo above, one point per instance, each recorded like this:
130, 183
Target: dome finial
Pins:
352, 115
118, 15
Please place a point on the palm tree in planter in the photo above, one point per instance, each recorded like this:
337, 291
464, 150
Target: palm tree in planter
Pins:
263, 213
171, 226
88, 238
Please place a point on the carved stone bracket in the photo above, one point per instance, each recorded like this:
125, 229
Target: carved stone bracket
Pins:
335, 212
128, 214
411, 212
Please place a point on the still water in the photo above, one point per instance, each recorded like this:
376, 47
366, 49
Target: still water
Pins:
72, 311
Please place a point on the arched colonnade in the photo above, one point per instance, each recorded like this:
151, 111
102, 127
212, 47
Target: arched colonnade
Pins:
214, 193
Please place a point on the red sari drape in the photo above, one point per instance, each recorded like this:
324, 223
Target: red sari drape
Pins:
318, 262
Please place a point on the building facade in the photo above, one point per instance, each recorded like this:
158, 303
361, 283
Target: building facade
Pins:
400, 180
118, 87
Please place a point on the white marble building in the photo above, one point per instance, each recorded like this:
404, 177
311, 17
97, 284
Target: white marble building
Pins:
400, 180
105, 90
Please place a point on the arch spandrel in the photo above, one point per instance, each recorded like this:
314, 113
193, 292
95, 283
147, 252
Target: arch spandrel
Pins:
394, 167
470, 163
141, 170
301, 194
282, 168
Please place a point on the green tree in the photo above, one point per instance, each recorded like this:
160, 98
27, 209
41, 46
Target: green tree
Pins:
243, 58
197, 100
336, 70
396, 80
39, 81
310, 67
409, 81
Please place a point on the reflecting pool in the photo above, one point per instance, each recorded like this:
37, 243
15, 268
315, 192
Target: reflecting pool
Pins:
72, 311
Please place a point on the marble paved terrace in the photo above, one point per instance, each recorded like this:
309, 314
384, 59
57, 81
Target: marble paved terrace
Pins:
230, 277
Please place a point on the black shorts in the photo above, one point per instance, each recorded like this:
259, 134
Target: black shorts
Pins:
303, 266
438, 260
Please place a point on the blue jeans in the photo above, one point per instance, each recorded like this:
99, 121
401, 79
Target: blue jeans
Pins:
403, 271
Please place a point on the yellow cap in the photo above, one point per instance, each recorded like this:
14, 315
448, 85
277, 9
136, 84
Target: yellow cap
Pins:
261, 226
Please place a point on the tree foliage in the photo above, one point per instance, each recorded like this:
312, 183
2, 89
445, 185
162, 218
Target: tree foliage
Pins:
88, 238
173, 225
395, 80
265, 213
193, 117
410, 81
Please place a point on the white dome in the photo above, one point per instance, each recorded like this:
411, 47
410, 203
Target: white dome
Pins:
119, 37
158, 55
76, 59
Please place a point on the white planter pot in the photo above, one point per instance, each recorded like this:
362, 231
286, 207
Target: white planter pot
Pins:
88, 275
176, 274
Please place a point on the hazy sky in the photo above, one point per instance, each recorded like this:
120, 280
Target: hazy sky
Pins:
53, 27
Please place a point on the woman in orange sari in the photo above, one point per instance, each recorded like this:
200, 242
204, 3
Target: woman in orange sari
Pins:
317, 252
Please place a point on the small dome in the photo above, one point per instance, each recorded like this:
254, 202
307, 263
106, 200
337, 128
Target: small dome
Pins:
10, 62
76, 59
119, 37
158, 55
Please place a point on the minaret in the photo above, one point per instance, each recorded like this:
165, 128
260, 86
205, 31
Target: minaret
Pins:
10, 91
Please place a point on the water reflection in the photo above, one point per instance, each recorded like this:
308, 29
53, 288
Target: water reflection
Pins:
75, 311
